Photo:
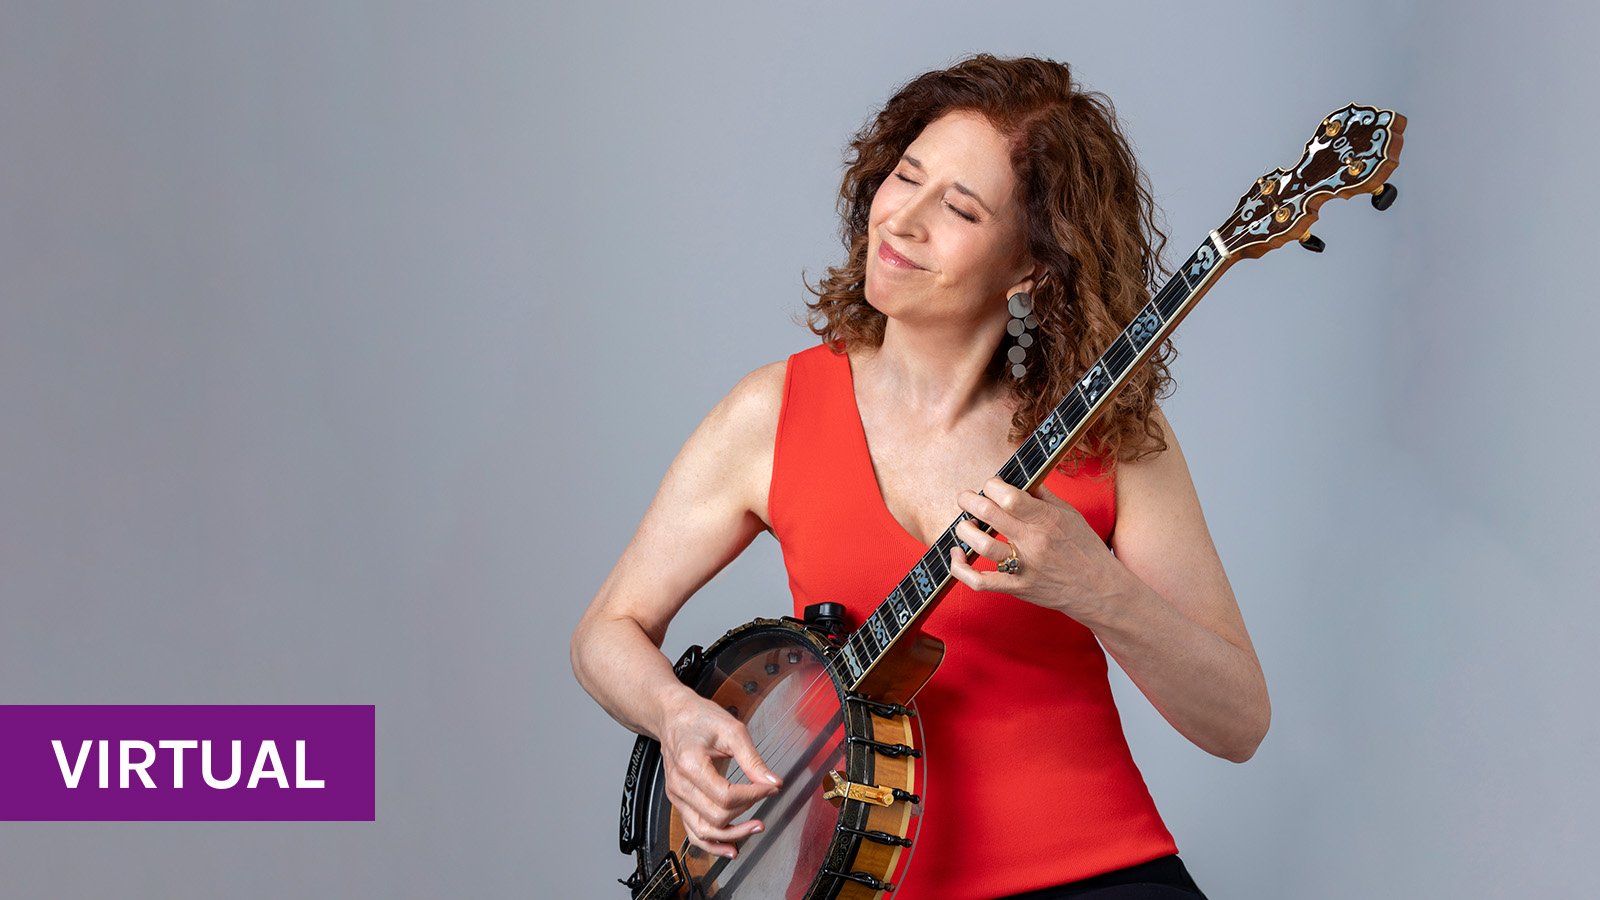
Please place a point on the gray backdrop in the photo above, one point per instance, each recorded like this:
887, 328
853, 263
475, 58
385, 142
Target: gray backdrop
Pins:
342, 346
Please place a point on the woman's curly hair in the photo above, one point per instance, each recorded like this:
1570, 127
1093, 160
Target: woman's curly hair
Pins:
1090, 224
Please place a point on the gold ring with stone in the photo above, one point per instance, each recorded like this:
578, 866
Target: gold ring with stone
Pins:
1010, 565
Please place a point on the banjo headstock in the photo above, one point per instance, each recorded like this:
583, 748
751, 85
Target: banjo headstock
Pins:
1352, 152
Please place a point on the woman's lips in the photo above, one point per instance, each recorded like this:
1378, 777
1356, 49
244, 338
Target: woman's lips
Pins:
887, 254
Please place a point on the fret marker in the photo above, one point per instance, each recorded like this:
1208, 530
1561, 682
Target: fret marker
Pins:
1095, 383
1143, 328
851, 662
1051, 431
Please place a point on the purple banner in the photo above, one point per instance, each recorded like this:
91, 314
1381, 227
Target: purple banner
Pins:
187, 763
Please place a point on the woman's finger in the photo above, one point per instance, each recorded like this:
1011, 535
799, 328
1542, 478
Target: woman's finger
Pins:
1020, 505
988, 510
972, 578
707, 823
732, 799
692, 827
986, 544
735, 741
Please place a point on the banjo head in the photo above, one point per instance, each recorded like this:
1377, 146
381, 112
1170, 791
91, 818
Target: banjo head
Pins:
778, 679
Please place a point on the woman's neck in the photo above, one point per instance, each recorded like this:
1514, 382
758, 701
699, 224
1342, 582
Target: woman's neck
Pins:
940, 377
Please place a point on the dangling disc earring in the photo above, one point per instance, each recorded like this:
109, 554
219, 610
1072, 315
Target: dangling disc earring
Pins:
1021, 327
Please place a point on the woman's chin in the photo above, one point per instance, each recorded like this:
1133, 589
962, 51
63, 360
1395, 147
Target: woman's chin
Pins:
884, 298
888, 309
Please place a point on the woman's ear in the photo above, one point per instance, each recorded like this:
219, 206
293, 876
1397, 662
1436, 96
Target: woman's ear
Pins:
1032, 282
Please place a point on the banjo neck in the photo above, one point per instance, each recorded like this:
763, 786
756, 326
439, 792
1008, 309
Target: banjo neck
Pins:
930, 579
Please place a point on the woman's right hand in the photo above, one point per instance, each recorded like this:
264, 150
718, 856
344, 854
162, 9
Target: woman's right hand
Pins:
696, 734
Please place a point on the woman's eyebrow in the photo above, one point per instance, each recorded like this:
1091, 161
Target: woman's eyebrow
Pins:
917, 164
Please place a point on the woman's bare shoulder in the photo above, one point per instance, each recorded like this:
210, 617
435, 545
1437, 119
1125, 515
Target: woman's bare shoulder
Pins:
759, 394
734, 444
712, 498
747, 418
1161, 476
749, 429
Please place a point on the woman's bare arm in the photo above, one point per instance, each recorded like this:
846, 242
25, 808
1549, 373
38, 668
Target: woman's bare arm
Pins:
709, 507
1178, 632
1161, 606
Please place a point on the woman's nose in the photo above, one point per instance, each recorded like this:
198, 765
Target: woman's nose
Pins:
908, 220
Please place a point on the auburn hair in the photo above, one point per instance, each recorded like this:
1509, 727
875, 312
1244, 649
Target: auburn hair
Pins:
1090, 224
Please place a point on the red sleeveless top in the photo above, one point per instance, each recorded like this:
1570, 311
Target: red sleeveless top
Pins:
1028, 782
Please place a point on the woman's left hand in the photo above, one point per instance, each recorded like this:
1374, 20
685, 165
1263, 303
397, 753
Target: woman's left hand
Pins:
1063, 564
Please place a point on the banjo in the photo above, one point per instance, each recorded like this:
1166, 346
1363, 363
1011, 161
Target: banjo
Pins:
831, 710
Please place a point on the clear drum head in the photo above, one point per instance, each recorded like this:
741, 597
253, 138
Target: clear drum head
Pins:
779, 687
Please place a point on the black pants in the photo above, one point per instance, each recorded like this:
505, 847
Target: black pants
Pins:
1158, 879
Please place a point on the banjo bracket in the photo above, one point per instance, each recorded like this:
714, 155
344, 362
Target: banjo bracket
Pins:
893, 751
878, 707
877, 837
862, 878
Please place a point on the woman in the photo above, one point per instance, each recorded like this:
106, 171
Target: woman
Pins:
975, 184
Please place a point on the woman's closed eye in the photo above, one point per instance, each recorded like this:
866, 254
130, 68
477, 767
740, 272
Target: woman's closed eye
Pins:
969, 217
